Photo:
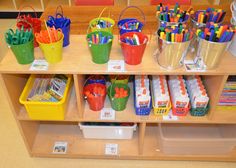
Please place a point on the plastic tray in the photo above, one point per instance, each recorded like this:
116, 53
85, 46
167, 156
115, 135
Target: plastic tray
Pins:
107, 132
44, 110
196, 139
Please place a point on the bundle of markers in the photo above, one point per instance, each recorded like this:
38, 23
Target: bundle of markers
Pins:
132, 40
131, 25
209, 15
100, 24
175, 33
98, 38
216, 33
172, 15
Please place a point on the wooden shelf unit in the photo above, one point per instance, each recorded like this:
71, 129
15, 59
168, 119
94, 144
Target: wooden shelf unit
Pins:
39, 136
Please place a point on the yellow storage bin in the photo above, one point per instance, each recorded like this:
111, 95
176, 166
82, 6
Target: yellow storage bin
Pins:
44, 110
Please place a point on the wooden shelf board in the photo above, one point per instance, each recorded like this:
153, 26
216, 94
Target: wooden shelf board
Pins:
152, 149
72, 113
6, 6
48, 134
228, 116
36, 4
77, 60
53, 3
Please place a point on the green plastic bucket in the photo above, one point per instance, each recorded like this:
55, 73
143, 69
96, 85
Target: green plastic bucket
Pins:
24, 53
100, 52
118, 104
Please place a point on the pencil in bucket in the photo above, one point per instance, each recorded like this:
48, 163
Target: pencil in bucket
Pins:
133, 45
118, 94
131, 24
173, 43
95, 94
213, 42
102, 23
51, 43
21, 42
59, 21
100, 43
172, 17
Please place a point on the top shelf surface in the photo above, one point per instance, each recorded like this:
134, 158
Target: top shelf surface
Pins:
77, 60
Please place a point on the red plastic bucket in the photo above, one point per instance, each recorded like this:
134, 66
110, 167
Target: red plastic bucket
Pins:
133, 54
96, 103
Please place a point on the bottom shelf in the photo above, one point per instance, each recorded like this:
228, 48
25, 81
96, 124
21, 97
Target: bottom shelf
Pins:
78, 146
47, 133
151, 149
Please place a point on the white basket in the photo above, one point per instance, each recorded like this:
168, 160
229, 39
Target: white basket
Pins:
107, 132
197, 139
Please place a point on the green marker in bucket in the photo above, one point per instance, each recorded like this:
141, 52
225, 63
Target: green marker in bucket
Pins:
100, 43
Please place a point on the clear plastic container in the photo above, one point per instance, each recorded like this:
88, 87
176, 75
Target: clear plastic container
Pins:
196, 139
107, 132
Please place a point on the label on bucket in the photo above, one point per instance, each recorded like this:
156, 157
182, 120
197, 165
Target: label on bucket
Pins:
116, 66
111, 149
39, 65
60, 148
108, 114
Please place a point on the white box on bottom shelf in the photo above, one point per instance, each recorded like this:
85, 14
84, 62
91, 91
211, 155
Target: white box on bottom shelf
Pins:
197, 139
107, 132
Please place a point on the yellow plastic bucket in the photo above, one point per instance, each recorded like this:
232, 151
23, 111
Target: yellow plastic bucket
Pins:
106, 19
53, 51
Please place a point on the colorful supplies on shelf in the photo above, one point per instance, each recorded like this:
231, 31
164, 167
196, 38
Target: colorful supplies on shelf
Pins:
102, 23
29, 22
51, 43
161, 97
133, 45
131, 24
21, 43
198, 96
100, 43
228, 95
118, 94
142, 95
175, 33
95, 94
174, 16
179, 95
209, 15
59, 21
48, 88
99, 38
216, 33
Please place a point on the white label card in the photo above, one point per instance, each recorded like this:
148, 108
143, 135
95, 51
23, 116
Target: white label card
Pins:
107, 114
111, 149
60, 147
116, 66
39, 65
170, 117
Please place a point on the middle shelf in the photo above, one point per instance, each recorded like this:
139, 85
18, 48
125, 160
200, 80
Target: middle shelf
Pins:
78, 111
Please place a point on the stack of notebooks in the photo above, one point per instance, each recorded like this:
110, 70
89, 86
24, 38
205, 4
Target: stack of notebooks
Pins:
228, 96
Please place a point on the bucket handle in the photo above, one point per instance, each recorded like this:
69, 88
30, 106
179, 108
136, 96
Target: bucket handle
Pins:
28, 6
100, 15
128, 7
61, 13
